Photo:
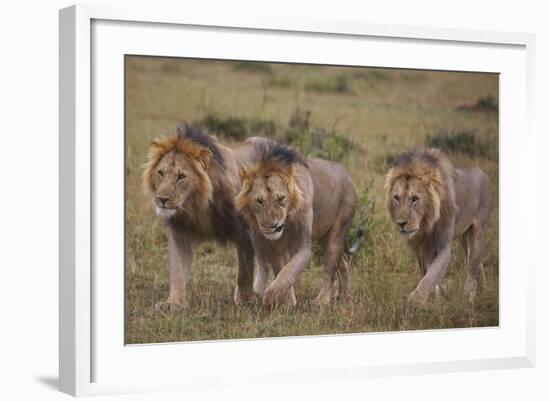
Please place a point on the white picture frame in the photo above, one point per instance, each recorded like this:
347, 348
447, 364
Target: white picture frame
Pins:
92, 352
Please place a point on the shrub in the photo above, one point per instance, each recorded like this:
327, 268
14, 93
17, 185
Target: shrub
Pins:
483, 104
363, 221
464, 142
254, 67
336, 84
238, 128
315, 142
382, 163
281, 83
371, 74
318, 142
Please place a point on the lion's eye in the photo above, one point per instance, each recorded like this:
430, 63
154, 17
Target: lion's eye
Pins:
396, 197
414, 199
260, 201
161, 173
180, 177
280, 198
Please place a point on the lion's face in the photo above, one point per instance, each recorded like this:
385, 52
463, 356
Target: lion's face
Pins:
175, 182
408, 205
267, 203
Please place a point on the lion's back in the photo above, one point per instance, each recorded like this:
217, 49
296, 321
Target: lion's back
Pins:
473, 195
333, 193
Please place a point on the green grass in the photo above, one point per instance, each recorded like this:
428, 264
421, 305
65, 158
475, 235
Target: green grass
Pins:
362, 123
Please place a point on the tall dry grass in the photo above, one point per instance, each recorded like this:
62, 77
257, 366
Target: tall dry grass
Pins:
361, 117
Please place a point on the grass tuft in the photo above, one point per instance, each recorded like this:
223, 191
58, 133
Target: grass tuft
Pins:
486, 104
338, 84
464, 142
254, 67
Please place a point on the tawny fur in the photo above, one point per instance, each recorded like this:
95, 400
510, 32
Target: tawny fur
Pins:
431, 202
310, 199
193, 180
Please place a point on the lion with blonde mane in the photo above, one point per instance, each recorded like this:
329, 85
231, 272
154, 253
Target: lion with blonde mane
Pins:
193, 180
288, 201
430, 202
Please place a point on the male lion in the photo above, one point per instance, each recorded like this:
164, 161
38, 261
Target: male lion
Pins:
288, 201
193, 181
430, 202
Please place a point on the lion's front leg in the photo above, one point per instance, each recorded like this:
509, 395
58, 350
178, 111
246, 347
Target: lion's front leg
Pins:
180, 256
260, 282
281, 291
244, 292
434, 275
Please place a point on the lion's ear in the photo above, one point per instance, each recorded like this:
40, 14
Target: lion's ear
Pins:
205, 155
155, 145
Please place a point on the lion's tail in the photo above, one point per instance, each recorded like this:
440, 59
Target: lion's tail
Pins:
358, 238
361, 232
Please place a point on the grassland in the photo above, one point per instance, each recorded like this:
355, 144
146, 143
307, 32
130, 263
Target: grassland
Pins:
360, 117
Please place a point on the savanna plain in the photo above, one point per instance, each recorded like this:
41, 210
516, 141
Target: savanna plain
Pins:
360, 117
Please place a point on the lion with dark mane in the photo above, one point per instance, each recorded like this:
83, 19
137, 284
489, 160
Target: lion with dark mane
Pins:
193, 181
288, 201
430, 201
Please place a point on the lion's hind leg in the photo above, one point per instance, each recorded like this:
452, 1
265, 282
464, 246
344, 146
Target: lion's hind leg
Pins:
335, 243
474, 239
343, 274
334, 248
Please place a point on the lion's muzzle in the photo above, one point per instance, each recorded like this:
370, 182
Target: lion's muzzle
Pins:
274, 232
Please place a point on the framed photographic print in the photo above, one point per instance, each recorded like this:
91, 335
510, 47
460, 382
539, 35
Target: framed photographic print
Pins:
300, 199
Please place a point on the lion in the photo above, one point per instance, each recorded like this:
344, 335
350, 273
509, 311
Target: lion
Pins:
431, 202
193, 181
288, 201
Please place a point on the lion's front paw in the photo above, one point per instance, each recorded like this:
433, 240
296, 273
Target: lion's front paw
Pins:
170, 306
244, 298
419, 298
274, 296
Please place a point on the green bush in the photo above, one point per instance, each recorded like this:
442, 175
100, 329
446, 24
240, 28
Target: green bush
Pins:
364, 220
464, 142
369, 74
336, 84
238, 128
483, 104
314, 142
254, 67
317, 142
281, 82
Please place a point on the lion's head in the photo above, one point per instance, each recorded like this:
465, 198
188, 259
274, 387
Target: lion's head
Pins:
419, 191
270, 195
177, 171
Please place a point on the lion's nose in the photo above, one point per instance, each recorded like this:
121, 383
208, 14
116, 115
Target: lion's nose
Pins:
402, 224
162, 199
